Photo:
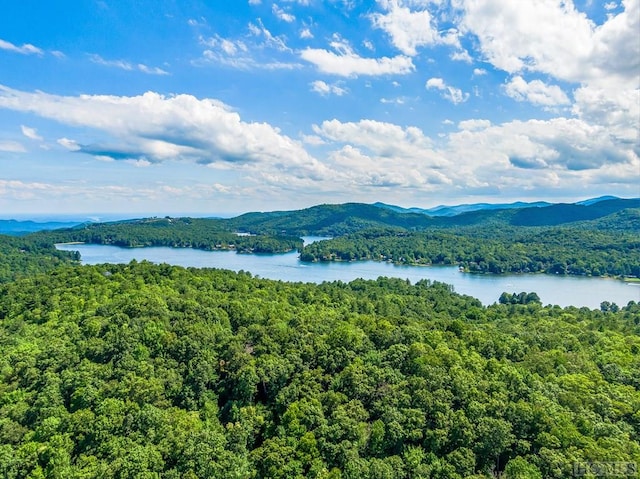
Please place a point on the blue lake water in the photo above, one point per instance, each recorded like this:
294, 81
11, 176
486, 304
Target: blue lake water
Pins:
560, 290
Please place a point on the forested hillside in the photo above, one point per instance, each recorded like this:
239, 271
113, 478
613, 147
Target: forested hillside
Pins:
594, 252
23, 256
200, 233
153, 371
337, 220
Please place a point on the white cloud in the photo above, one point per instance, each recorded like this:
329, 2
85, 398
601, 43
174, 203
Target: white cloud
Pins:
454, 95
343, 61
408, 29
124, 65
242, 62
325, 89
395, 101
269, 40
30, 133
559, 41
306, 34
477, 72
242, 54
517, 156
25, 49
282, 15
380, 138
228, 46
378, 154
151, 70
556, 39
157, 128
563, 146
70, 145
313, 140
618, 110
474, 124
462, 56
535, 92
12, 146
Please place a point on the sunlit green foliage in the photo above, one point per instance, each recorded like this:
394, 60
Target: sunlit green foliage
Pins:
488, 250
22, 256
153, 371
197, 233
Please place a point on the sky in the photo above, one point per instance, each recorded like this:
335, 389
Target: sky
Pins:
222, 107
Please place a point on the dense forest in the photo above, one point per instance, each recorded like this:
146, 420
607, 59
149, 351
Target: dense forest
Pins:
507, 250
23, 256
154, 371
199, 233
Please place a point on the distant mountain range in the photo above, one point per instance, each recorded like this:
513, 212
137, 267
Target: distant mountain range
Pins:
345, 218
444, 210
606, 212
18, 228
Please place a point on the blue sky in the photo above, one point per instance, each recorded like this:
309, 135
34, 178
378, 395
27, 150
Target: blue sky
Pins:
202, 107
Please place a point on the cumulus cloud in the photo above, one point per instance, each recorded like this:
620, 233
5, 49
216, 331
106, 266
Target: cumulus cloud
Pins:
556, 39
616, 110
156, 128
124, 65
474, 124
535, 92
408, 29
70, 145
516, 156
30, 133
282, 15
25, 49
454, 95
394, 101
462, 55
343, 61
601, 61
325, 89
379, 154
560, 145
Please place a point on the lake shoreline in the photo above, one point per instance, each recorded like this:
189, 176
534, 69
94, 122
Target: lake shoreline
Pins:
563, 290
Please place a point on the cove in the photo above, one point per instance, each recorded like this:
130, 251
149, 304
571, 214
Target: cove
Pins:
561, 290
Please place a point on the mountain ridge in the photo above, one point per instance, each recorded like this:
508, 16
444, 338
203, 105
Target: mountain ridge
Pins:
337, 219
345, 218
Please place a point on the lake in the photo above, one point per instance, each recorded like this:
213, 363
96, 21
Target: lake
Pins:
560, 290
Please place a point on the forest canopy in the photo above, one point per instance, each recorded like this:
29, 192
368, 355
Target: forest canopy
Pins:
155, 371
